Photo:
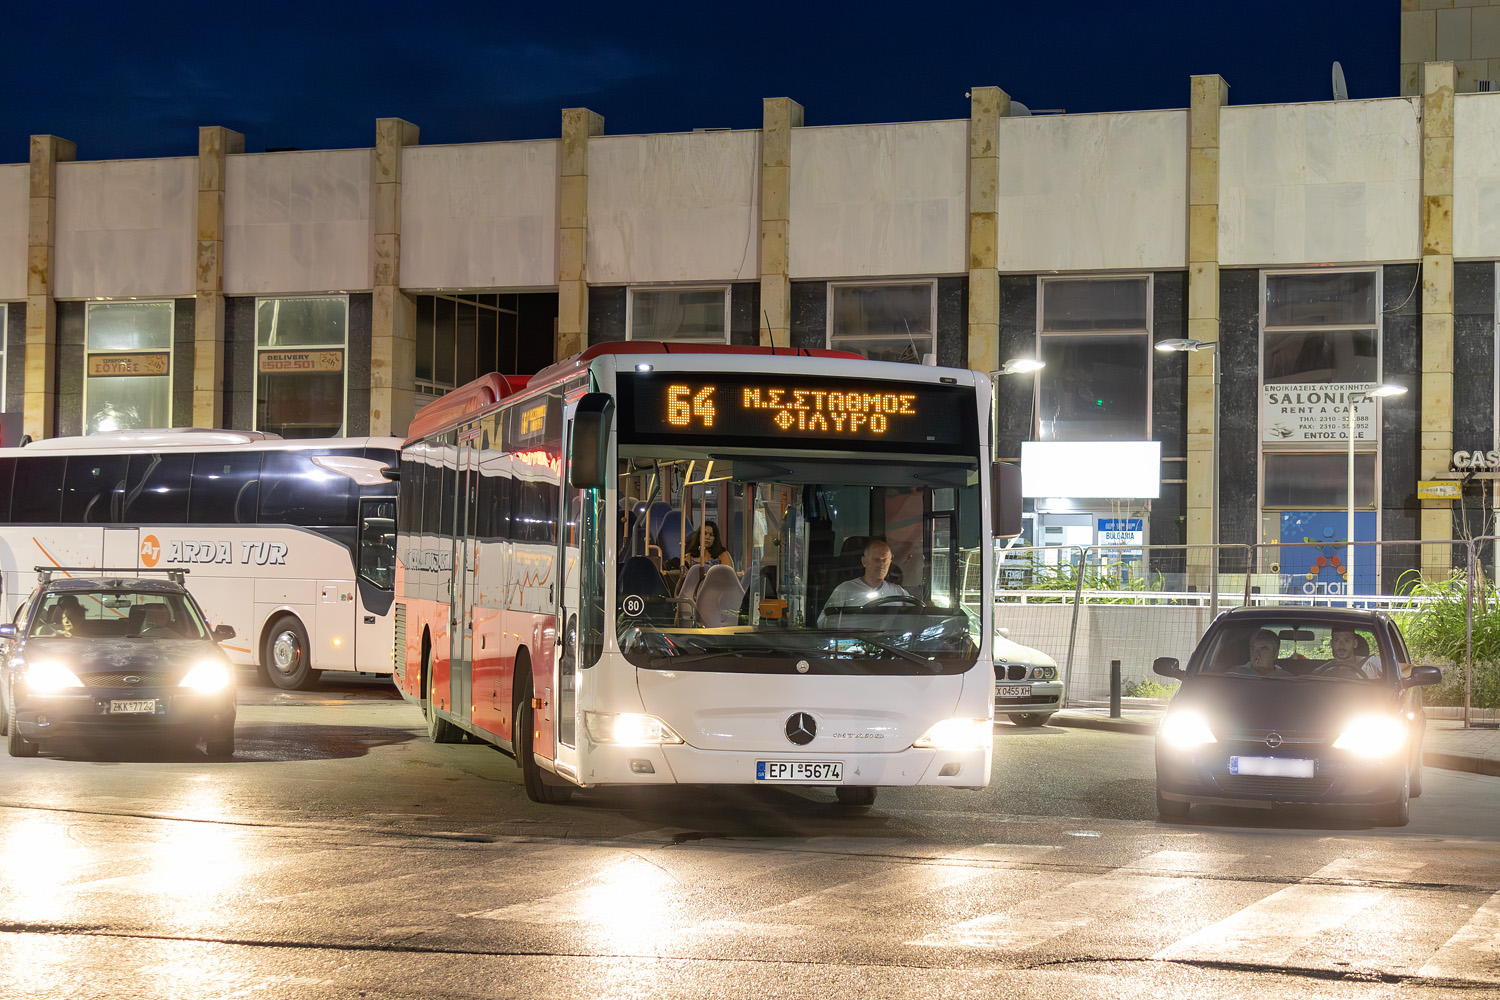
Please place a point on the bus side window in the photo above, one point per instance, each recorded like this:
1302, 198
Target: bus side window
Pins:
156, 489
90, 486
41, 499
295, 491
7, 473
225, 488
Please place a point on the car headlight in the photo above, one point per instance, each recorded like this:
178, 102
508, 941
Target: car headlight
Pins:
208, 677
50, 677
959, 734
1372, 736
1185, 728
627, 729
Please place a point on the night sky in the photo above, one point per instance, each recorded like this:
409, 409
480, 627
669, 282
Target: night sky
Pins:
127, 80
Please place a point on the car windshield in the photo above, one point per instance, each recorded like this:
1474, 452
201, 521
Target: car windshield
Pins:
787, 564
1298, 650
116, 614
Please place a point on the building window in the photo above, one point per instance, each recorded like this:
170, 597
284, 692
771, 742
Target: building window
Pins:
301, 345
460, 337
680, 315
885, 322
1320, 341
128, 365
1094, 334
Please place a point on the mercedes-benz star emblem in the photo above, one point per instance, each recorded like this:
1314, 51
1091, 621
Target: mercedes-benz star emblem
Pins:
801, 728
1273, 741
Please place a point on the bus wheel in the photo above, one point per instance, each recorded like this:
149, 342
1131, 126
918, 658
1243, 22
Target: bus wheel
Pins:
541, 785
286, 656
862, 796
439, 729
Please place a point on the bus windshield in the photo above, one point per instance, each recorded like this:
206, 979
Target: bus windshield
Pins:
786, 563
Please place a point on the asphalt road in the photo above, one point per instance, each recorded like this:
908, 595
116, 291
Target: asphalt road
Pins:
342, 854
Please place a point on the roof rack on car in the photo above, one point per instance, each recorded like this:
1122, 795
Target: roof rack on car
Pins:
44, 574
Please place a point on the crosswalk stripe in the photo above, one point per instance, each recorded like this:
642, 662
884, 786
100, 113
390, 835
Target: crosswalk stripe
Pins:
1272, 930
1473, 952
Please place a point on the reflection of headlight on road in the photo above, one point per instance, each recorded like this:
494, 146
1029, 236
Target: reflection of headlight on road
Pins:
1372, 736
1186, 729
50, 677
208, 677
958, 734
628, 730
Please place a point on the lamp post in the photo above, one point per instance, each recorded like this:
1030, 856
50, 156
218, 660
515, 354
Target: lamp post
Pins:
1015, 366
1359, 396
1194, 346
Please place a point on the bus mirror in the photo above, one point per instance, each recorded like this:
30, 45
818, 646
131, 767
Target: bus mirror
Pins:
1005, 500
591, 424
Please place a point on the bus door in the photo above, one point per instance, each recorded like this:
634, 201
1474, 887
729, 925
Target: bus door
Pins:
465, 567
565, 661
124, 548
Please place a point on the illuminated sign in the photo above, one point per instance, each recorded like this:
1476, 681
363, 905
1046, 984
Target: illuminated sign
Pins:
533, 419
759, 409
299, 362
105, 365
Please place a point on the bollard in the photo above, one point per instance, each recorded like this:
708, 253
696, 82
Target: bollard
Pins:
1114, 689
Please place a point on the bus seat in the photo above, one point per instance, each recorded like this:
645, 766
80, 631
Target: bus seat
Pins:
718, 600
639, 575
673, 533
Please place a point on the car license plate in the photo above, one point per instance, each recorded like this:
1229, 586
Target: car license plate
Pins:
820, 771
1276, 767
121, 707
1012, 690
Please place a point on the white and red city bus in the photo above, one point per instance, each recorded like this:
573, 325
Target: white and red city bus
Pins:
291, 541
544, 606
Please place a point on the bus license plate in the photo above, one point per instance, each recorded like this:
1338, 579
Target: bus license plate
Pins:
119, 707
1012, 690
1276, 767
819, 771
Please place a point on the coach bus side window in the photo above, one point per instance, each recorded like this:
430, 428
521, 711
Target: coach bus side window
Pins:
225, 488
156, 489
7, 473
89, 488
40, 498
295, 491
432, 492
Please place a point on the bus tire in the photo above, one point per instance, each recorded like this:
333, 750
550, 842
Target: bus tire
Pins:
855, 796
541, 785
286, 656
439, 729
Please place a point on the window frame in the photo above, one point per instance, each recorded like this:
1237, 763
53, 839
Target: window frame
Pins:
839, 342
632, 290
88, 351
1148, 337
343, 427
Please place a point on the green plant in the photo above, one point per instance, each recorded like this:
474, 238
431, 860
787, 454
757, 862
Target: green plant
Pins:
1437, 630
1148, 689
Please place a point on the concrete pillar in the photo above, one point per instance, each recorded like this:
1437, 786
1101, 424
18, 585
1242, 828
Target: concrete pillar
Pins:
215, 143
393, 319
779, 115
1437, 307
987, 105
38, 420
578, 126
1209, 95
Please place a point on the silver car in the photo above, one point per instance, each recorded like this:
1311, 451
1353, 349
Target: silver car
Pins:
1026, 685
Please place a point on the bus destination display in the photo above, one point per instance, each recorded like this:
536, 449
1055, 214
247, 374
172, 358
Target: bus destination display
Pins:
763, 409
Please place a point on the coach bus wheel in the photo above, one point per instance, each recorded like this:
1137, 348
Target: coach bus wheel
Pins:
541, 786
856, 795
439, 729
287, 658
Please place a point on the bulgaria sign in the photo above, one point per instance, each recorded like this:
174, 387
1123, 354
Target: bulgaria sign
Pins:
1308, 412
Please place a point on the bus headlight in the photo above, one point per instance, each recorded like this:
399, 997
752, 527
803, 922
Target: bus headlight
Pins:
958, 734
1372, 736
208, 677
50, 677
627, 729
1186, 729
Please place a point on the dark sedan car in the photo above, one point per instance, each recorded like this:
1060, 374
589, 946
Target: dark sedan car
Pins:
1294, 705
119, 658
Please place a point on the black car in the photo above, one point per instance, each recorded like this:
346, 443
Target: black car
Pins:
115, 657
1294, 705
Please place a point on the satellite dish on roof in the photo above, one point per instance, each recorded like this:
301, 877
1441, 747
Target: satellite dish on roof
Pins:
1340, 88
1019, 110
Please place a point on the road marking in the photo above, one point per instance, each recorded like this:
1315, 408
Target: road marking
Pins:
1474, 951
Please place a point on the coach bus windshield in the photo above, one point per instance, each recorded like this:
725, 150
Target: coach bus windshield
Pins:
785, 563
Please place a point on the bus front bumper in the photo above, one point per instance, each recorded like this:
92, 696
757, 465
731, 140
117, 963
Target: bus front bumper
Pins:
686, 765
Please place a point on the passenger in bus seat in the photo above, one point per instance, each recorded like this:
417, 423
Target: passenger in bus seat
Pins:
705, 545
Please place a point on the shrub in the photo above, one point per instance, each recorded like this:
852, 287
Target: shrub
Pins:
1148, 689
1437, 630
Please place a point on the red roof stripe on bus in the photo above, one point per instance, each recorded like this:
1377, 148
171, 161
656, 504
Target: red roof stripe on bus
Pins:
482, 392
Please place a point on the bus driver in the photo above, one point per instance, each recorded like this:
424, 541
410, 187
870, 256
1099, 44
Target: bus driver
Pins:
867, 589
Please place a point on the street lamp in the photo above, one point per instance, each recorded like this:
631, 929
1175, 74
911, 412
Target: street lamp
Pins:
1189, 344
1359, 396
1015, 366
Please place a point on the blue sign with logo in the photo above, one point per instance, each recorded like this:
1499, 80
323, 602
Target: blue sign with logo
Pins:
1121, 524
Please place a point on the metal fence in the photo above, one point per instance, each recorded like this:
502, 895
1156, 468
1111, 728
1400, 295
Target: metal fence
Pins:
1090, 606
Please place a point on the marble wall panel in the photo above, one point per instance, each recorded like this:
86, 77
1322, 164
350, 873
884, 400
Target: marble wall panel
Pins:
675, 207
298, 222
1239, 406
15, 213
744, 314
239, 362
607, 305
809, 313
1476, 175
357, 362
879, 200
126, 227
1016, 394
15, 357
1330, 182
71, 326
184, 321
1400, 416
479, 216
1085, 192
953, 322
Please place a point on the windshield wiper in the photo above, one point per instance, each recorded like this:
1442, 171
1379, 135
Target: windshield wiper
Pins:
927, 662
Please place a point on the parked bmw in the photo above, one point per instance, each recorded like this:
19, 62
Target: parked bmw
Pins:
120, 657
1294, 705
1026, 684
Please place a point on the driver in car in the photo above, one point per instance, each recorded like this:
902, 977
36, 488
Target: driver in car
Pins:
870, 587
1349, 655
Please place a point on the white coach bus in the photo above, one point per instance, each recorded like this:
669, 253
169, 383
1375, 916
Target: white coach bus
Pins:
292, 542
